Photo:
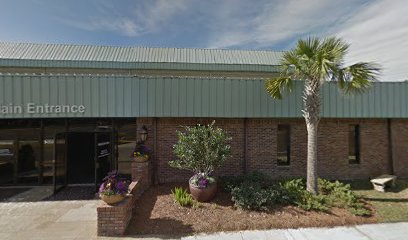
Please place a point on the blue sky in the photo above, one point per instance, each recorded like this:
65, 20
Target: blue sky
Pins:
376, 29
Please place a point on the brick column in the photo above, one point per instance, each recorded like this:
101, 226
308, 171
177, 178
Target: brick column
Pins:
149, 123
142, 172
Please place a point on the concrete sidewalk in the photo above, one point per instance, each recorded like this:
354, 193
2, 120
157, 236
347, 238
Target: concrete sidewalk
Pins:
387, 231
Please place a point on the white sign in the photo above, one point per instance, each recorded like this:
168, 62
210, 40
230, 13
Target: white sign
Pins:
33, 108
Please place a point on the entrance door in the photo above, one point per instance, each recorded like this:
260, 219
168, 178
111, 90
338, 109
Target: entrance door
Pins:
60, 161
103, 152
81, 164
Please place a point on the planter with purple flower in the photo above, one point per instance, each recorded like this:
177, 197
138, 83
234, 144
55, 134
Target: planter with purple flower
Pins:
113, 188
202, 188
141, 153
201, 149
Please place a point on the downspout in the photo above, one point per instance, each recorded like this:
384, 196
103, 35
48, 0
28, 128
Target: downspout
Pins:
390, 147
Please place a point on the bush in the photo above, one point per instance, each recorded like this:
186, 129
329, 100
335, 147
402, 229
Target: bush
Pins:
182, 197
249, 196
231, 182
294, 192
340, 195
251, 192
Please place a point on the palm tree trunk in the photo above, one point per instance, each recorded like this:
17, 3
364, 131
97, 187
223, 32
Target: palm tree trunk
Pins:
312, 158
311, 113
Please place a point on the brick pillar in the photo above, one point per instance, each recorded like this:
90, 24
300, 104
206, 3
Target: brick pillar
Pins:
149, 123
142, 172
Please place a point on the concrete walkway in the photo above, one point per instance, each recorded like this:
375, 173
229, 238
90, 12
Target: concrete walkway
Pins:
48, 220
390, 231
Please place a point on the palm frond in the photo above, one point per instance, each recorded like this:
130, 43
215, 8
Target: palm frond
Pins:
275, 86
308, 48
358, 77
334, 50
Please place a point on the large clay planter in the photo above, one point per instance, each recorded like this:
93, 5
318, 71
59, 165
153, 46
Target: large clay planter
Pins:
111, 199
203, 194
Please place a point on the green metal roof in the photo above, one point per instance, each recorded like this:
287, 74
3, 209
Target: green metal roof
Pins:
91, 56
127, 96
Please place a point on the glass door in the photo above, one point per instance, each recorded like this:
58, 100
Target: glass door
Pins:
60, 161
8, 166
103, 155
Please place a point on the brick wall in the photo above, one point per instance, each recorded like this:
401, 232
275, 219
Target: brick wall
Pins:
400, 146
261, 135
112, 220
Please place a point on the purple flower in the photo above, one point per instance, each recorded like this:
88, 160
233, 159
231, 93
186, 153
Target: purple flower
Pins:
113, 184
141, 150
201, 180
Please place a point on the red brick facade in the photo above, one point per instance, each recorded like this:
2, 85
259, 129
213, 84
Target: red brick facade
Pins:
400, 146
112, 220
260, 136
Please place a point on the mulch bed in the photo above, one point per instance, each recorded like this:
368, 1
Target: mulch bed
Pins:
156, 213
6, 193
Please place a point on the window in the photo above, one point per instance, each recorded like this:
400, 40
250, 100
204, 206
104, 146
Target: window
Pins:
354, 144
283, 144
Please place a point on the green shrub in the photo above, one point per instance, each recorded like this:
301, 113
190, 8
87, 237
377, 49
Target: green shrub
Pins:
251, 192
182, 197
230, 182
308, 201
340, 195
294, 192
250, 196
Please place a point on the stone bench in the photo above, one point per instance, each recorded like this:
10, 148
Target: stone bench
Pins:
383, 181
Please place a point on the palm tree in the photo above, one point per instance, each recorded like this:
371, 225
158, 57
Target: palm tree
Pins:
316, 61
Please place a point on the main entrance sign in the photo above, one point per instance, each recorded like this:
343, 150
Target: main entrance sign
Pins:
32, 108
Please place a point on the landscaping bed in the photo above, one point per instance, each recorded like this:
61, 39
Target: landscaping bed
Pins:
157, 213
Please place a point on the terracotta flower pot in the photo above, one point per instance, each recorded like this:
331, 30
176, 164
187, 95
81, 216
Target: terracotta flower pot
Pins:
203, 194
111, 199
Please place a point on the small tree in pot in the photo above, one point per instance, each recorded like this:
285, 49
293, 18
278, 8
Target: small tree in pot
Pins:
201, 149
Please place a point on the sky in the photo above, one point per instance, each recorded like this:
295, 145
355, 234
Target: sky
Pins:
376, 29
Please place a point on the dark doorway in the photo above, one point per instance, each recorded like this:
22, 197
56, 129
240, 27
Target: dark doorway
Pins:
81, 157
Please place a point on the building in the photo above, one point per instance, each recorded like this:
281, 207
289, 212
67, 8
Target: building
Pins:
70, 113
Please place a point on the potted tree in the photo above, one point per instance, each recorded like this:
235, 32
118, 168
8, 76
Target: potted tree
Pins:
201, 149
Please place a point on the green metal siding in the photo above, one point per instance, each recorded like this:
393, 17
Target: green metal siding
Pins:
122, 96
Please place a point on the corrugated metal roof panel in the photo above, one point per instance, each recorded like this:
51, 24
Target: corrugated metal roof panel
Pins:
32, 51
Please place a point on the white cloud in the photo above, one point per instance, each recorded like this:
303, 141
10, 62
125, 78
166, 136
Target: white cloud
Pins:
141, 18
281, 21
380, 33
122, 25
376, 30
153, 16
